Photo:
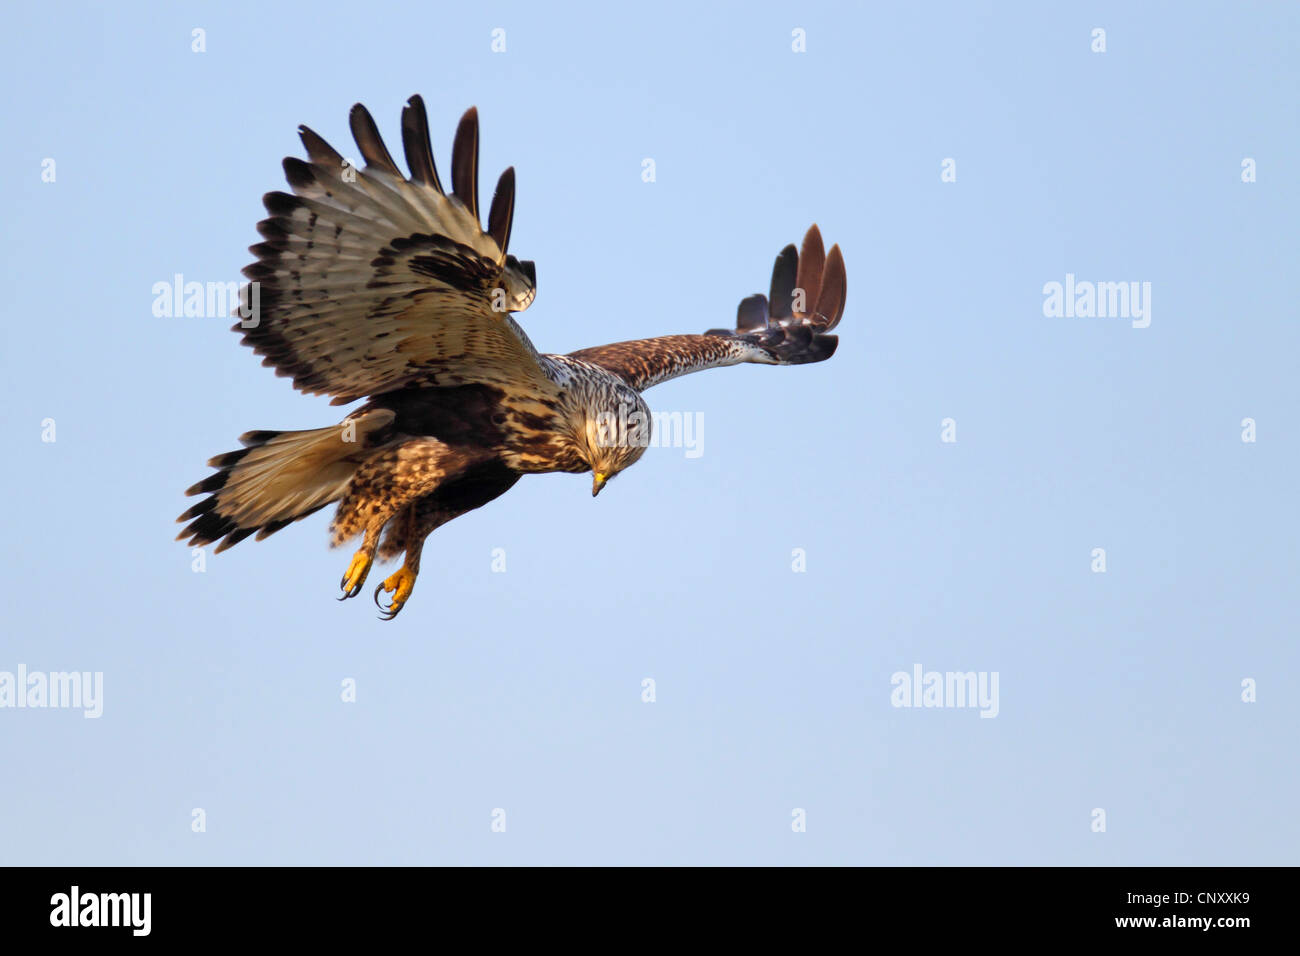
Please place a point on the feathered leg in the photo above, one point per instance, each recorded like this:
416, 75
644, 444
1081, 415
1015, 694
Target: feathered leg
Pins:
382, 490
406, 494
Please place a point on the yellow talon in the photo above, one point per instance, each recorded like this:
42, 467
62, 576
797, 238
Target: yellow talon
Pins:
355, 576
399, 584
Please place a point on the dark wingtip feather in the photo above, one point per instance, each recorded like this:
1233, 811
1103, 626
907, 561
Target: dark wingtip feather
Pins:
751, 313
812, 257
273, 228
416, 143
784, 272
298, 173
502, 213
464, 161
318, 150
796, 338
371, 144
257, 272
834, 289
279, 203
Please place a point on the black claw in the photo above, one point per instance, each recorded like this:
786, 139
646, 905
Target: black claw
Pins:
353, 592
386, 613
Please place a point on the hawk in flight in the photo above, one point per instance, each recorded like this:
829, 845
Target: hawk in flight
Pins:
372, 284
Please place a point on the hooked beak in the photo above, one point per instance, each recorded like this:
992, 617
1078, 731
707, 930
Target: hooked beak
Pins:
598, 480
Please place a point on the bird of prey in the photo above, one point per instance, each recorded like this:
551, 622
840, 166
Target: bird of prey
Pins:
371, 284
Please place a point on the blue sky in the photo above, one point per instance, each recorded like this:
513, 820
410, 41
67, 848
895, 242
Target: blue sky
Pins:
522, 691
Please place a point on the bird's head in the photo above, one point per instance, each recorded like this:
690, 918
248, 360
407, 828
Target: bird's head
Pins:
616, 432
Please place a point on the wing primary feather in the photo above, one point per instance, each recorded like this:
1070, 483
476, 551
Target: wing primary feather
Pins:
299, 173
502, 213
834, 289
464, 161
417, 145
382, 282
751, 313
784, 273
318, 150
370, 142
765, 333
811, 259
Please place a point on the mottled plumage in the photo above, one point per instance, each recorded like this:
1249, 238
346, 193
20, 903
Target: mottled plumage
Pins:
369, 284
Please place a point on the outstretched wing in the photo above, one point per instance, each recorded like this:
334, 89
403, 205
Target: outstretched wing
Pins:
368, 281
788, 328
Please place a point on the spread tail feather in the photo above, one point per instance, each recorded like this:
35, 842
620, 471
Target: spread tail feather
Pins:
278, 478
